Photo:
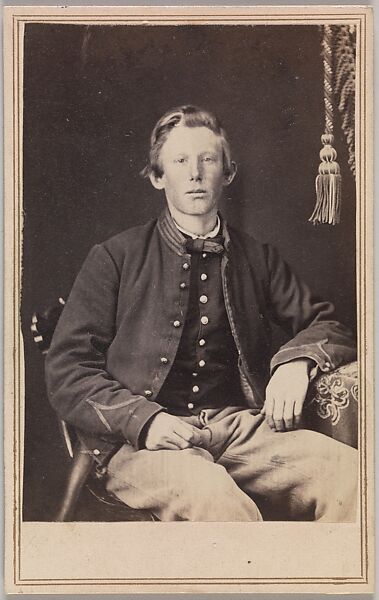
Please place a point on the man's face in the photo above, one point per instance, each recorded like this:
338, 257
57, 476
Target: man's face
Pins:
193, 175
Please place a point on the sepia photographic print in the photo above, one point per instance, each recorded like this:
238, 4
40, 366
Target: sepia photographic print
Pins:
188, 299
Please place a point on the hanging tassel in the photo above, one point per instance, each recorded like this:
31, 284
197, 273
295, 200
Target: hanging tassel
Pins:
328, 185
328, 181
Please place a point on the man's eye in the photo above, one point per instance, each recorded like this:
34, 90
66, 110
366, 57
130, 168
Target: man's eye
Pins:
180, 160
208, 159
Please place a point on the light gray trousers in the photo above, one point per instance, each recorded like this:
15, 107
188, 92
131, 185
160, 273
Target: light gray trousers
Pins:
242, 465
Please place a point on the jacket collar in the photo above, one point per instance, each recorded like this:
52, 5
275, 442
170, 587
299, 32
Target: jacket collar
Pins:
175, 239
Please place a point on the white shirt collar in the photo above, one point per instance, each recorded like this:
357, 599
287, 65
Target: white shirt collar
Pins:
211, 234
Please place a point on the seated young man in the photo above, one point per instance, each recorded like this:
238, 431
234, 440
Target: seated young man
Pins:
162, 356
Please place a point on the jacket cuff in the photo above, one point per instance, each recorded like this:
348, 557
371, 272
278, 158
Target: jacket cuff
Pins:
314, 352
138, 419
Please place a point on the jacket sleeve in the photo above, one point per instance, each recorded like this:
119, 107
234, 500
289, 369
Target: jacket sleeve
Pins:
309, 321
79, 386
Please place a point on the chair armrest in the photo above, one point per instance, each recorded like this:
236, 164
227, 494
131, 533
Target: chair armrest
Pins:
332, 404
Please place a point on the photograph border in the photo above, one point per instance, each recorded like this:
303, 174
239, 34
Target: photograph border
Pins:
18, 533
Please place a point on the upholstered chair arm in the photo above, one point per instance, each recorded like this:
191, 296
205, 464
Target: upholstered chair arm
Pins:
332, 404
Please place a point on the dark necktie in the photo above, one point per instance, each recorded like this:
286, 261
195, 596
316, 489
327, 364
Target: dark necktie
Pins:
214, 245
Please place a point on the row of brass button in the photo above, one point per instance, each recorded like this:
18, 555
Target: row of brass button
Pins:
204, 320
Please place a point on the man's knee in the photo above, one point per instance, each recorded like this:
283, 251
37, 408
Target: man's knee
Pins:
204, 491
332, 477
181, 485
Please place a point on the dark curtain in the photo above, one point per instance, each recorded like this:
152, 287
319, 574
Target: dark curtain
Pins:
91, 97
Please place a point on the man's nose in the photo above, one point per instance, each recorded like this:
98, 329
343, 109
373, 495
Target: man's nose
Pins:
195, 170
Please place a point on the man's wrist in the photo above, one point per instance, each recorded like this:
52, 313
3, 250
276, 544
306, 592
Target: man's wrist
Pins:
144, 431
308, 364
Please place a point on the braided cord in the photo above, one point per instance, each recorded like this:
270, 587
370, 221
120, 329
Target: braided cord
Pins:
328, 77
345, 86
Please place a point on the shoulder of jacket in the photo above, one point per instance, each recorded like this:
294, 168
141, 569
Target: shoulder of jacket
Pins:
238, 236
261, 255
128, 239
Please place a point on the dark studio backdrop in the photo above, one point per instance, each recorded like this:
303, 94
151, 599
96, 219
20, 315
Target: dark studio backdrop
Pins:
91, 97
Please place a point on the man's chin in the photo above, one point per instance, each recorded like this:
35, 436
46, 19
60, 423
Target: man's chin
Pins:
199, 207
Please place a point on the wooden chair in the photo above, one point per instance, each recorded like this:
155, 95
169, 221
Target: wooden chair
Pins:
84, 471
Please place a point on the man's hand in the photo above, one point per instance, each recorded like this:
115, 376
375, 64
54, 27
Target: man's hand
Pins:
285, 394
171, 433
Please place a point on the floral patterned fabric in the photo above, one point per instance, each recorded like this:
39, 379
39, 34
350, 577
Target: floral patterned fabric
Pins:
332, 405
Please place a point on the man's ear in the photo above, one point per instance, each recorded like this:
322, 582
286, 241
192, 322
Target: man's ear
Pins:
157, 182
232, 173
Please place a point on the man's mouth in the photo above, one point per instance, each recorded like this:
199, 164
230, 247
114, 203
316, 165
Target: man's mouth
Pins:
199, 191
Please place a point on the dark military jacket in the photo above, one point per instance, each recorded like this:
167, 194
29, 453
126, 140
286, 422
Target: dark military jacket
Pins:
118, 334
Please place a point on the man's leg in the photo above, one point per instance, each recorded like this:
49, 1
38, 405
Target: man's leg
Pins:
297, 475
178, 485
